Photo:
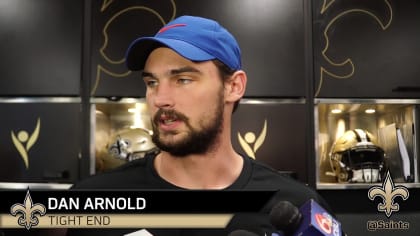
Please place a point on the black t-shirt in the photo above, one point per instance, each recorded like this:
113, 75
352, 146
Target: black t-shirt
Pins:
141, 174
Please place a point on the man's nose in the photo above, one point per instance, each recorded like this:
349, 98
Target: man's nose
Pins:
164, 96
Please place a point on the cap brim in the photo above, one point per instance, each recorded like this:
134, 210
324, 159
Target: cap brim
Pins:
139, 51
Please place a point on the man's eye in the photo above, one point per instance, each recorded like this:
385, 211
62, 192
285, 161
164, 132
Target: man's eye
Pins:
184, 81
151, 83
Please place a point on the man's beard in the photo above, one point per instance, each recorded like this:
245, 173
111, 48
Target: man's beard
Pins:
197, 141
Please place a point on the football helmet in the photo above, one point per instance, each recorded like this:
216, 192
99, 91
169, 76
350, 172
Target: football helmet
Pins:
355, 157
131, 144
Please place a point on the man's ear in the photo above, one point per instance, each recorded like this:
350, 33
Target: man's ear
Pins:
235, 86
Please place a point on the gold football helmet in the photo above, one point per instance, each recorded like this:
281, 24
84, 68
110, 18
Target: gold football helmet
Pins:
355, 157
132, 144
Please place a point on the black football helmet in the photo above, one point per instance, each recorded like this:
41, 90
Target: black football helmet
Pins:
355, 157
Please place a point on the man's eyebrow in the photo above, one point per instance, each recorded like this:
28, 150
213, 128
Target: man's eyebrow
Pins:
147, 74
184, 69
172, 72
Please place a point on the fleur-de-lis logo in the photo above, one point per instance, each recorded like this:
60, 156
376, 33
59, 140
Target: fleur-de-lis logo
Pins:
388, 192
112, 66
27, 212
23, 138
250, 139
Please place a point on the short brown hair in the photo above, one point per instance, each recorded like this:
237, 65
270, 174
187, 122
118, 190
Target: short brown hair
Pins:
225, 73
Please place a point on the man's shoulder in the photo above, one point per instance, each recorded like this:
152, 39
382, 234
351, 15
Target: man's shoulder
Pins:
118, 177
265, 177
266, 173
287, 188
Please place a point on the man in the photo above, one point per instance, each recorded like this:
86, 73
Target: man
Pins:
192, 71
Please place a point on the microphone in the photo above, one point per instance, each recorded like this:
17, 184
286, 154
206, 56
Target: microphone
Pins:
241, 232
310, 220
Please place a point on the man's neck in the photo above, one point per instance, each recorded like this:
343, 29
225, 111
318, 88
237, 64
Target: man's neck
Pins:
213, 170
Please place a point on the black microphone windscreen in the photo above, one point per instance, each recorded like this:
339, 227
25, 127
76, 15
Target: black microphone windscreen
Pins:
285, 216
241, 232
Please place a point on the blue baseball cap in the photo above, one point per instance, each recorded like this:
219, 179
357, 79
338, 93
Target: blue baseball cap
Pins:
195, 38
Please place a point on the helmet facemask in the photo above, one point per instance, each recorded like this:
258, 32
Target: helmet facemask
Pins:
357, 160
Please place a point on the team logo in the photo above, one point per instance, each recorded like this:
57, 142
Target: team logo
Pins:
28, 212
388, 192
250, 140
23, 142
324, 221
170, 27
